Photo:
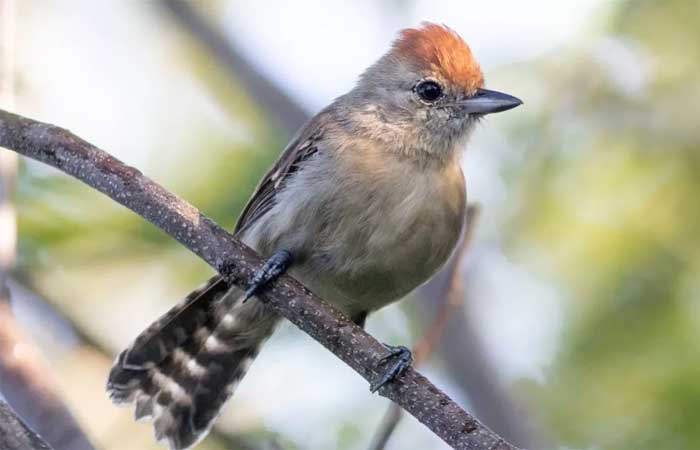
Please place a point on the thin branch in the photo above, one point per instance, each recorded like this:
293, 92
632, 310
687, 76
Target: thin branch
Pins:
276, 102
15, 434
25, 382
470, 368
423, 349
126, 185
487, 395
455, 295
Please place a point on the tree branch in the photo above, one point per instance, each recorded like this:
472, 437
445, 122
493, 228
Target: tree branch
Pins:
126, 185
15, 434
27, 385
495, 405
470, 367
276, 102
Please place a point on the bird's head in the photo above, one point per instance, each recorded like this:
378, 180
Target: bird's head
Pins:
426, 92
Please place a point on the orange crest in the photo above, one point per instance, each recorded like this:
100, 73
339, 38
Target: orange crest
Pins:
440, 51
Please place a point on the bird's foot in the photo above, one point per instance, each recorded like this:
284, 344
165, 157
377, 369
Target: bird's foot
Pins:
402, 360
273, 268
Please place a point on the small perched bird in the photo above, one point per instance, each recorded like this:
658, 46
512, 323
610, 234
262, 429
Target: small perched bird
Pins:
366, 203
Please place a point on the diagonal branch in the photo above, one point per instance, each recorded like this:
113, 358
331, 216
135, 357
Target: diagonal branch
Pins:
274, 100
495, 405
473, 368
26, 383
182, 221
15, 434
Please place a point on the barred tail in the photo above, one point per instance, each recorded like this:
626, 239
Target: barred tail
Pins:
182, 369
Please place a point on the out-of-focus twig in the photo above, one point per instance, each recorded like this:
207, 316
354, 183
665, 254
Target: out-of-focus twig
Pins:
235, 261
455, 295
472, 370
424, 347
470, 367
276, 102
25, 382
15, 434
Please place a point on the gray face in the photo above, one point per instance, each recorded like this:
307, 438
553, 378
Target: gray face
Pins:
438, 110
417, 111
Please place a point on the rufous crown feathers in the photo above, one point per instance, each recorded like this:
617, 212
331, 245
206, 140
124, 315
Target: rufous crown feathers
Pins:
439, 51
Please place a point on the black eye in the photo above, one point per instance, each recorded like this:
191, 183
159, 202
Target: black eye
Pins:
428, 90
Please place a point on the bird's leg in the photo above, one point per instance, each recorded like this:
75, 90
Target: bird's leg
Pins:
275, 266
360, 319
403, 360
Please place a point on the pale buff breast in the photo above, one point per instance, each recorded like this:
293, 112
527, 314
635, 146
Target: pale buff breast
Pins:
366, 230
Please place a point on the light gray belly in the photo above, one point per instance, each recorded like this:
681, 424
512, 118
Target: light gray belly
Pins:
360, 245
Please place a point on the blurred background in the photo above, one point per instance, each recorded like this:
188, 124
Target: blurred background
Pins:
579, 322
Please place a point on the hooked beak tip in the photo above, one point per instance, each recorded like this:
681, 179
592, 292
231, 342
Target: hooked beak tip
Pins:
486, 101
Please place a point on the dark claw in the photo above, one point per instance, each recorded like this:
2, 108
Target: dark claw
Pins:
403, 357
275, 266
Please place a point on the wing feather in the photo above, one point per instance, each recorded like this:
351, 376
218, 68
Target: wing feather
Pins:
300, 149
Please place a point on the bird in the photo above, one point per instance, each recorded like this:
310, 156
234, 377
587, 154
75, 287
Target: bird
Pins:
365, 203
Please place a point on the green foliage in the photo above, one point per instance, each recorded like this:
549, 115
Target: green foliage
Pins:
610, 195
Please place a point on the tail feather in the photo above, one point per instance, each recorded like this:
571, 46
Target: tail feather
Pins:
181, 370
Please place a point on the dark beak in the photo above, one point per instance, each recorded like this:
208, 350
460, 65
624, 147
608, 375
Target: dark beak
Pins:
487, 102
